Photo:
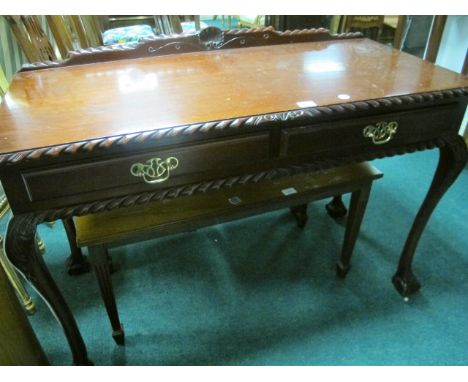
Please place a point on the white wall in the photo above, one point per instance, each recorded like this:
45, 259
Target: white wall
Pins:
454, 43
453, 49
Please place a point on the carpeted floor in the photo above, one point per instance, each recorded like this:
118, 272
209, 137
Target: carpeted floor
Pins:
260, 291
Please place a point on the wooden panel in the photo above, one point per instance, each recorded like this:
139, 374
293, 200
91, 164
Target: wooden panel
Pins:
31, 37
69, 104
398, 36
348, 135
11, 55
435, 38
3, 84
61, 33
201, 161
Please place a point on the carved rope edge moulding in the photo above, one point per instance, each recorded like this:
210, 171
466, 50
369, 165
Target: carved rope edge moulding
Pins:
212, 185
301, 115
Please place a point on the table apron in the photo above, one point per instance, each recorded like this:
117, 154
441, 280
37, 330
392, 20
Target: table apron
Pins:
108, 181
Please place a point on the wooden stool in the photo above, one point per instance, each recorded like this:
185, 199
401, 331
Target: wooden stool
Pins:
102, 231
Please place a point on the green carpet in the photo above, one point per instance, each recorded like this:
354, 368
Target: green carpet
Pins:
260, 291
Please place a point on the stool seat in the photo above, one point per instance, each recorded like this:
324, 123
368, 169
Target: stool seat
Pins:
118, 227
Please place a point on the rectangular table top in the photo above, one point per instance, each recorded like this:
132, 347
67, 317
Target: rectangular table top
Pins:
52, 106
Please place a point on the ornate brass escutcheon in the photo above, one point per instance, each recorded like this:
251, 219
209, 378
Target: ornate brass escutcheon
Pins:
381, 132
155, 170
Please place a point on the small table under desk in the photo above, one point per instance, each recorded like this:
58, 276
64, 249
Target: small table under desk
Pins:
118, 126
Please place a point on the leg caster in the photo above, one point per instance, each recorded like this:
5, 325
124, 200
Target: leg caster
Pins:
300, 213
336, 208
406, 285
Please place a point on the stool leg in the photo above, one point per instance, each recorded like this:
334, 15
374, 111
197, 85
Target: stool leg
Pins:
300, 212
357, 208
336, 208
98, 258
77, 263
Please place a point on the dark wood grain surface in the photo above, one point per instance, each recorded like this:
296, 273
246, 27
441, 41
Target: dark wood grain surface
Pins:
68, 104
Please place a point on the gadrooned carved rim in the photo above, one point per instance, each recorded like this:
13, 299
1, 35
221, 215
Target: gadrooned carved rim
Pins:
212, 185
307, 115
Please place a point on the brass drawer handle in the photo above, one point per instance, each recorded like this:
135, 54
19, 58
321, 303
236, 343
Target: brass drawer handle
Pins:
381, 132
156, 170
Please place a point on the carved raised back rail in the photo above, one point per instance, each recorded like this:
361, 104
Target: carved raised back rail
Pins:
210, 38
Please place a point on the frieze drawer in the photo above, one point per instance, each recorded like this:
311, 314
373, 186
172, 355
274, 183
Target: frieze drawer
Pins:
161, 168
369, 133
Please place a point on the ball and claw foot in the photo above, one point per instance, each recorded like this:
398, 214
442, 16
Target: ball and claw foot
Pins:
119, 336
300, 213
82, 266
342, 269
76, 268
336, 208
406, 285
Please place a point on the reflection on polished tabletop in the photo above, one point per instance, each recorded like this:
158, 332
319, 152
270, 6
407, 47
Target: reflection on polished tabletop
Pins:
58, 105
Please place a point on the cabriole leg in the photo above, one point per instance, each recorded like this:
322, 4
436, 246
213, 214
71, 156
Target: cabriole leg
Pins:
300, 213
336, 208
22, 251
453, 157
